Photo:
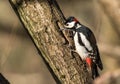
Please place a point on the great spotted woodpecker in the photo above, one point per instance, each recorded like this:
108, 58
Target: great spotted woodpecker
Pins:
85, 45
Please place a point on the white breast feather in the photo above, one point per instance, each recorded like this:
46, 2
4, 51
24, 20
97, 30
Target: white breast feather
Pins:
80, 49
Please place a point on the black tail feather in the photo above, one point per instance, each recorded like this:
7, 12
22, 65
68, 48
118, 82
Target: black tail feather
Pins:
98, 59
95, 72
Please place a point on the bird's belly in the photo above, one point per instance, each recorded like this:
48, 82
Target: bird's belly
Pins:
81, 50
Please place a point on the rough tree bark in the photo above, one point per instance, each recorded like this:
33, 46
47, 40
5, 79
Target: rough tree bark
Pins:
43, 19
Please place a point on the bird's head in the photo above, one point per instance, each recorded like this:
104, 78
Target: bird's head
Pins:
71, 22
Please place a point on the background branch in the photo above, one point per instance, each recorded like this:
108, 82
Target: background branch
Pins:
112, 10
112, 52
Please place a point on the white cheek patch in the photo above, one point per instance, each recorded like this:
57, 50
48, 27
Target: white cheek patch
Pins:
70, 24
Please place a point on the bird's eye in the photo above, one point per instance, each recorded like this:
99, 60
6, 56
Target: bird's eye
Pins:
67, 24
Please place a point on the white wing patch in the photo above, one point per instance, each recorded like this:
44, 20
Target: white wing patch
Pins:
79, 48
78, 26
86, 42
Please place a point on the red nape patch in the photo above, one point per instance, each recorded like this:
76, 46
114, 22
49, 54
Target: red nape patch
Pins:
89, 61
75, 20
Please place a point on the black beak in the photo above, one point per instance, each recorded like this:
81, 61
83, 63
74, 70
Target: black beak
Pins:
70, 29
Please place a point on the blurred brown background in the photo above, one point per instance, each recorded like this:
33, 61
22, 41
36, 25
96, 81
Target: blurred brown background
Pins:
19, 60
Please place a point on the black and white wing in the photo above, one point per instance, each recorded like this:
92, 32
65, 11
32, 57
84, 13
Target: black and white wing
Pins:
91, 45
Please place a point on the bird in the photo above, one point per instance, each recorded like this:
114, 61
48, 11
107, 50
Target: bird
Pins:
85, 45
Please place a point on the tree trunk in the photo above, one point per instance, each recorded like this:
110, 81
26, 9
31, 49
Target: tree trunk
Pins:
43, 20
